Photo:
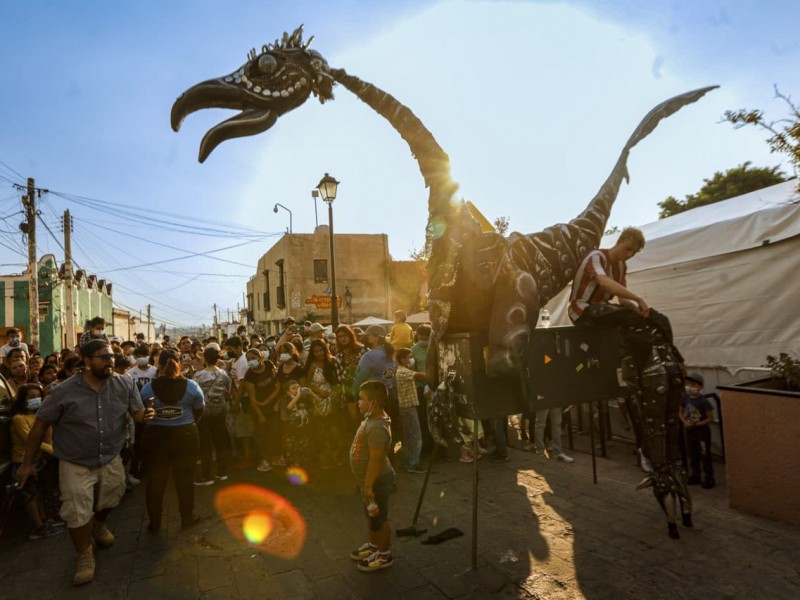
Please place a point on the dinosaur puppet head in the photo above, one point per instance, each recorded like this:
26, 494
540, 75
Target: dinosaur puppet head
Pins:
271, 83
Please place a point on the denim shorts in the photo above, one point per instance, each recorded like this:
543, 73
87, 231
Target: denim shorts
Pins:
382, 488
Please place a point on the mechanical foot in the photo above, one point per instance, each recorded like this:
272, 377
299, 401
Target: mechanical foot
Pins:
672, 529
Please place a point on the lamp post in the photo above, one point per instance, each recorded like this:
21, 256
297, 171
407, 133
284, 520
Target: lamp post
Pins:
275, 210
327, 190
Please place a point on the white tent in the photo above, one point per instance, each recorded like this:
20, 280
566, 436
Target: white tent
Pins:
418, 318
728, 277
372, 321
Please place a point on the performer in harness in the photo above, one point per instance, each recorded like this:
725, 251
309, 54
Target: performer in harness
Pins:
652, 367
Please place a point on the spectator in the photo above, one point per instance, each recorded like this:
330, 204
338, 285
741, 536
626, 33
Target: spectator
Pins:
53, 359
697, 416
140, 341
370, 464
116, 344
322, 378
47, 375
128, 347
87, 441
349, 353
13, 354
23, 411
18, 369
71, 365
121, 364
407, 403
299, 403
420, 352
143, 372
259, 385
401, 336
35, 363
555, 414
214, 438
171, 441
13, 340
95, 330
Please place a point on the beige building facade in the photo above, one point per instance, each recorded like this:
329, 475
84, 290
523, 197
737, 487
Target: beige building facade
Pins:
293, 279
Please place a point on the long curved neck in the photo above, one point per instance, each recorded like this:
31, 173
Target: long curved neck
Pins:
434, 164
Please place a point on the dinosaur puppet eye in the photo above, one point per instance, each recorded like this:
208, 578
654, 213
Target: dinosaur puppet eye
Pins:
267, 63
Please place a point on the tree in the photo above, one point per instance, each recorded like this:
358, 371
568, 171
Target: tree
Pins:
501, 225
721, 186
785, 133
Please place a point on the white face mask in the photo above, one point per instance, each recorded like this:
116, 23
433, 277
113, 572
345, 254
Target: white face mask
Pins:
285, 357
270, 345
253, 364
142, 361
98, 332
265, 355
33, 403
411, 363
13, 341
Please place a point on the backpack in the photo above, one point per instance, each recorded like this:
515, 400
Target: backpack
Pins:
217, 394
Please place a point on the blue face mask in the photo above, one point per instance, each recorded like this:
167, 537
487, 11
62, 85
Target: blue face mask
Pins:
33, 403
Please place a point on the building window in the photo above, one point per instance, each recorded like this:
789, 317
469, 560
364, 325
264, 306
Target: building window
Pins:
281, 290
267, 306
320, 271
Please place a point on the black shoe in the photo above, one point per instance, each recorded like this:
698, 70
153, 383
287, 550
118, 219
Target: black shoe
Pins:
498, 458
693, 480
709, 483
687, 520
672, 529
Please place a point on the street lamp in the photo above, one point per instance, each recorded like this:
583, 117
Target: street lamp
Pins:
327, 189
275, 210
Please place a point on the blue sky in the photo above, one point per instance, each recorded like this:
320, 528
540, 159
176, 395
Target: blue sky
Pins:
532, 100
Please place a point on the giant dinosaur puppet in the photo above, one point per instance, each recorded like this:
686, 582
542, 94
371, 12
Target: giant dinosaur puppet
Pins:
478, 281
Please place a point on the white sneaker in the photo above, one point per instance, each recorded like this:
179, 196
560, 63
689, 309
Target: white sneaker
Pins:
131, 480
564, 458
645, 462
264, 467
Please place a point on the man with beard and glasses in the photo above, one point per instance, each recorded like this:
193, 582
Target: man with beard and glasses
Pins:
88, 414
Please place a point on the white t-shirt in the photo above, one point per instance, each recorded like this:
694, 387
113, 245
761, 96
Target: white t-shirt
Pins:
239, 367
8, 348
142, 376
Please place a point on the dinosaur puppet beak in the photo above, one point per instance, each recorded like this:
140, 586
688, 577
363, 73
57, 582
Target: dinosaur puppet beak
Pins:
217, 93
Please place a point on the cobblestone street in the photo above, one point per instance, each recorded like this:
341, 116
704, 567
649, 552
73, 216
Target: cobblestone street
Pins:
545, 531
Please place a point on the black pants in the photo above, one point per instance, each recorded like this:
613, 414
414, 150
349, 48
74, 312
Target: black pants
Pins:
170, 451
213, 433
698, 439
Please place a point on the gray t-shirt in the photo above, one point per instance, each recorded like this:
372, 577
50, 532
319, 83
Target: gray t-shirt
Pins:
89, 427
372, 433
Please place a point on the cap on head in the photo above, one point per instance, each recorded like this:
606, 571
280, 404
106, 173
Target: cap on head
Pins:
696, 378
316, 328
376, 330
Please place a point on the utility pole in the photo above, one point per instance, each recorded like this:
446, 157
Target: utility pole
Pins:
33, 276
148, 323
214, 331
70, 325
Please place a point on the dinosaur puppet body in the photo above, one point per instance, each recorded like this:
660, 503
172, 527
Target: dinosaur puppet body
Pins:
478, 281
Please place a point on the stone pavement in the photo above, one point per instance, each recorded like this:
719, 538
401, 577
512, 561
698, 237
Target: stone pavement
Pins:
545, 531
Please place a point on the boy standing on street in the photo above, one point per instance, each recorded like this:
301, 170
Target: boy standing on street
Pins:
370, 464
697, 416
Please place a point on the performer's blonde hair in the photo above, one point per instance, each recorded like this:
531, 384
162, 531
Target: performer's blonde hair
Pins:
634, 234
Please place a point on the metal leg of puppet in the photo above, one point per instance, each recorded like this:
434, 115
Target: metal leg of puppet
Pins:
475, 456
591, 442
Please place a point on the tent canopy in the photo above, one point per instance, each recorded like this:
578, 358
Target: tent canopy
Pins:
419, 318
372, 321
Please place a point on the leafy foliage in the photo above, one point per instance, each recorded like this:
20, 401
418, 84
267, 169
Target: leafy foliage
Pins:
784, 133
785, 368
722, 186
501, 225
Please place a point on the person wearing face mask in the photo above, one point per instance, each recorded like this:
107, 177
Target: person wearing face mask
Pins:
259, 385
697, 415
13, 340
23, 409
143, 372
88, 414
95, 330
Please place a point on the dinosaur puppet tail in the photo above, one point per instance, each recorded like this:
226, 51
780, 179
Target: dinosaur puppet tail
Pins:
553, 255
